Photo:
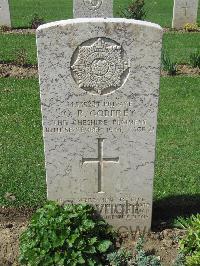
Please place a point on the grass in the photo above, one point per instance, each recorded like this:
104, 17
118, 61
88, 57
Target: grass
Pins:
159, 11
179, 46
21, 155
178, 143
12, 44
22, 11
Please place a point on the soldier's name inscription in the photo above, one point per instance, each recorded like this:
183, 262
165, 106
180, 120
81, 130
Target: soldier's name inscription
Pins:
101, 117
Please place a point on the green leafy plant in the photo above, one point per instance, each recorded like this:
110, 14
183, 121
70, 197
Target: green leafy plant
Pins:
190, 244
66, 235
120, 257
195, 59
180, 260
143, 259
193, 260
168, 65
136, 10
36, 21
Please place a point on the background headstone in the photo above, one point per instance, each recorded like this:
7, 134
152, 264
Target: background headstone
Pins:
93, 8
185, 11
99, 81
4, 13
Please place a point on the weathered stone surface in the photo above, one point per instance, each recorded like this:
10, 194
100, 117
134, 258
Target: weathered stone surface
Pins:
4, 13
99, 81
185, 11
93, 8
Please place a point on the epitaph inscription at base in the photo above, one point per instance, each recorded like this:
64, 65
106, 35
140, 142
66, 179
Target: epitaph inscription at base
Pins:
99, 82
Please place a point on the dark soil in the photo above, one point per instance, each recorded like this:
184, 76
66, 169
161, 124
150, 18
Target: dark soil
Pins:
16, 71
19, 31
180, 30
11, 70
188, 70
162, 244
9, 241
184, 70
13, 221
32, 31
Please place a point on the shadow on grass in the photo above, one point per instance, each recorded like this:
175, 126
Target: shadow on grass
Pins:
170, 208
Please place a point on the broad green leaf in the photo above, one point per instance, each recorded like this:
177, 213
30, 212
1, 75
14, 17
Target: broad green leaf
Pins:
104, 245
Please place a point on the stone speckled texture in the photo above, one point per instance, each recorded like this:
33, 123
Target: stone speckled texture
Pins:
4, 13
185, 11
99, 82
93, 8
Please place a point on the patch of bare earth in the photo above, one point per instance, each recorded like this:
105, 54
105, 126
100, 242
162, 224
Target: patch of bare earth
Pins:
164, 244
188, 70
10, 70
184, 70
32, 31
19, 31
12, 223
180, 30
9, 241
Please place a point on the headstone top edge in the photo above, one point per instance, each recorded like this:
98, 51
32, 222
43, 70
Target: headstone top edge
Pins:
64, 23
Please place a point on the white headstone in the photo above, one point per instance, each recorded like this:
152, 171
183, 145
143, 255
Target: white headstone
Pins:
185, 11
4, 13
99, 82
93, 8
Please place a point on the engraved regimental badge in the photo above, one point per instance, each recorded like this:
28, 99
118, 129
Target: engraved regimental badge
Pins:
100, 66
92, 4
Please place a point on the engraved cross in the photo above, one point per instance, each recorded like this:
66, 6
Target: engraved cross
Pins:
186, 8
100, 161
